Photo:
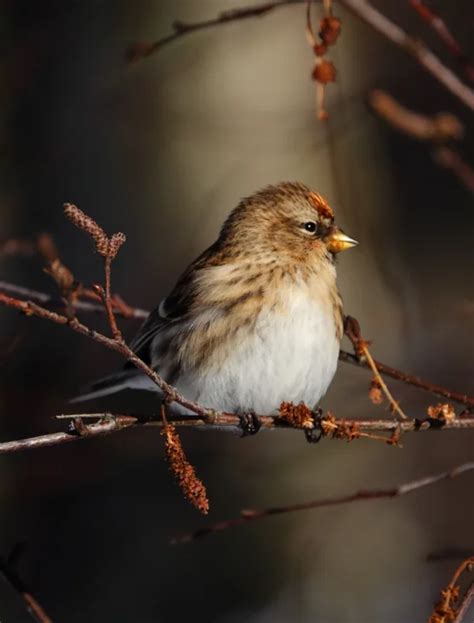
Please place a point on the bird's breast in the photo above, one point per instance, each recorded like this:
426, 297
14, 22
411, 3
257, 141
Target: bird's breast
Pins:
287, 349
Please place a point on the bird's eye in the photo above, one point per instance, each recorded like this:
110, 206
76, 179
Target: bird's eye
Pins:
310, 227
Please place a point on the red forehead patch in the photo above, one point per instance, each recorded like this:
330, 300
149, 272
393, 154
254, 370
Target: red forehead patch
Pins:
320, 205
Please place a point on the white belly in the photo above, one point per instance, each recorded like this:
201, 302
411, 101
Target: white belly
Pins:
291, 356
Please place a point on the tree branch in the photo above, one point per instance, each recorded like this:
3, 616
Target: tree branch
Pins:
409, 379
315, 425
120, 307
465, 606
363, 495
361, 8
435, 21
437, 130
339, 428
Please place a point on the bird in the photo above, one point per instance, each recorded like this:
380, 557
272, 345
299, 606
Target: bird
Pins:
257, 318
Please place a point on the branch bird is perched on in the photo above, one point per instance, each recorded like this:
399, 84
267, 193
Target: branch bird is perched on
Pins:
257, 318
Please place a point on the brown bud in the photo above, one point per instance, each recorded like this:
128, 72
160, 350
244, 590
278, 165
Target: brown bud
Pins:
375, 392
320, 49
324, 72
329, 30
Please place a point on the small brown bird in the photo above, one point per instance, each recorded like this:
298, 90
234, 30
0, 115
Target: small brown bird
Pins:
257, 318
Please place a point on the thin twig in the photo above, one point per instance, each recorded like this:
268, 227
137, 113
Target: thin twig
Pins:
363, 495
437, 130
394, 406
451, 159
170, 393
34, 608
409, 379
465, 606
439, 26
361, 350
106, 424
416, 48
445, 610
361, 8
116, 333
120, 307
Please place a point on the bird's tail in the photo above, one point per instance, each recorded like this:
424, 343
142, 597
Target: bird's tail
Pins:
128, 379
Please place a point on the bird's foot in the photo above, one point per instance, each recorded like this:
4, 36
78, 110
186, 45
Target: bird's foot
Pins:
249, 423
313, 435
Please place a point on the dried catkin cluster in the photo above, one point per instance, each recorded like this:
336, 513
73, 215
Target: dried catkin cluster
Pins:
105, 246
193, 488
299, 416
441, 411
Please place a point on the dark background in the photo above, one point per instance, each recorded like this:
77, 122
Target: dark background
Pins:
162, 150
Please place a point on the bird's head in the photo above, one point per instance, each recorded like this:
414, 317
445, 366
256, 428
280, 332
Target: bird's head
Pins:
289, 220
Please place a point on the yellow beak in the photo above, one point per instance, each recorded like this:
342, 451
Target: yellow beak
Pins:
336, 240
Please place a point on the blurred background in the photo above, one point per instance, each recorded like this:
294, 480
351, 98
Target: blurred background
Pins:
162, 149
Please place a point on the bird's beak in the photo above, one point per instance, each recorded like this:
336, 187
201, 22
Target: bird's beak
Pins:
336, 240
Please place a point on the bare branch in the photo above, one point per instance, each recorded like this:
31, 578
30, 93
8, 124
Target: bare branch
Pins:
363, 495
414, 46
451, 159
465, 606
106, 424
120, 307
439, 26
361, 8
437, 130
110, 423
409, 379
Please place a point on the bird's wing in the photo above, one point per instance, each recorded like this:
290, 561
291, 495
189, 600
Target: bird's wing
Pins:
173, 309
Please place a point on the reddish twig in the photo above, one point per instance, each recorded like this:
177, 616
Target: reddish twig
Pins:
120, 307
439, 26
181, 29
451, 159
437, 130
352, 331
361, 8
361, 350
32, 604
364, 495
446, 610
465, 606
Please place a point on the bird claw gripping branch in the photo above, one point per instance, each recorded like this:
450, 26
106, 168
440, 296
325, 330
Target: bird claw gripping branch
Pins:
314, 434
249, 424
